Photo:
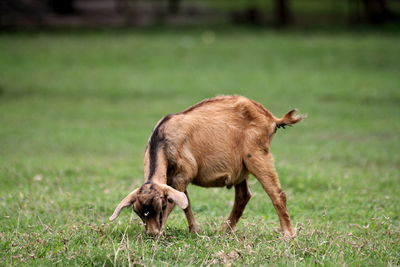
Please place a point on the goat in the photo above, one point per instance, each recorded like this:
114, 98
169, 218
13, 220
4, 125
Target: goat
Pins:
215, 143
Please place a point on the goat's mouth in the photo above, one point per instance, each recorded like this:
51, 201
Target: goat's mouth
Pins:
154, 225
153, 233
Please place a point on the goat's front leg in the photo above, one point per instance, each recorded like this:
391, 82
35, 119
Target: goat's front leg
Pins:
242, 197
260, 164
193, 226
167, 211
181, 186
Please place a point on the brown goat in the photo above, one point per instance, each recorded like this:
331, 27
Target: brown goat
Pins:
214, 143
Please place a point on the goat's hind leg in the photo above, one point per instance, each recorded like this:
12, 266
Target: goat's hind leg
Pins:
242, 197
261, 165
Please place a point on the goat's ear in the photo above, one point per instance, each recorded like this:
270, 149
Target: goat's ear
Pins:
126, 202
178, 197
290, 118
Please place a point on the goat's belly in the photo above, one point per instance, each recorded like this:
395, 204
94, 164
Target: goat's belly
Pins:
220, 180
209, 177
217, 165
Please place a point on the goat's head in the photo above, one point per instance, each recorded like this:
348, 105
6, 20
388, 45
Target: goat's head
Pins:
150, 202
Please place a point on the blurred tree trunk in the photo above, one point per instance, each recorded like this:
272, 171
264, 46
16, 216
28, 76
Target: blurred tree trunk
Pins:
376, 11
282, 13
174, 6
62, 7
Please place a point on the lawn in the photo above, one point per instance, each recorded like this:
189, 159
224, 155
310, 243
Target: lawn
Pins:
77, 108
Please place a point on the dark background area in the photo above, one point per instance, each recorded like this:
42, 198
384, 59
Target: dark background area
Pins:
33, 14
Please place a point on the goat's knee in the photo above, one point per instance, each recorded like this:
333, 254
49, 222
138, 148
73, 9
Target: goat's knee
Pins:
282, 196
279, 199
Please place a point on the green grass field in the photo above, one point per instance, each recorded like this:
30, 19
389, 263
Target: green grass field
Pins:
77, 108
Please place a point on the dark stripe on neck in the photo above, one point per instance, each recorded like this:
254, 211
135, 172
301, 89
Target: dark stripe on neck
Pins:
156, 139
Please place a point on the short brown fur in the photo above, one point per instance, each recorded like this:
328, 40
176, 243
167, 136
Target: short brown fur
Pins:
217, 142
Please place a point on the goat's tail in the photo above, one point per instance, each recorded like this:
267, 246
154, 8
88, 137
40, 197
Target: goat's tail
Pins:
290, 118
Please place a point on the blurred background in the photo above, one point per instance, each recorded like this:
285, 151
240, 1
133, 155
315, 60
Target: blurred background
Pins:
118, 13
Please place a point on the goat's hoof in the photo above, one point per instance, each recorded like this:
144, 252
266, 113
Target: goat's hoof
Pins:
227, 228
195, 229
289, 235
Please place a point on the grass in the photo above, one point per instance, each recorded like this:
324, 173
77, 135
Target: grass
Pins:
77, 108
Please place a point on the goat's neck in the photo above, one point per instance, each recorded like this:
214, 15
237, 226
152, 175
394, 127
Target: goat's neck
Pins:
160, 179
